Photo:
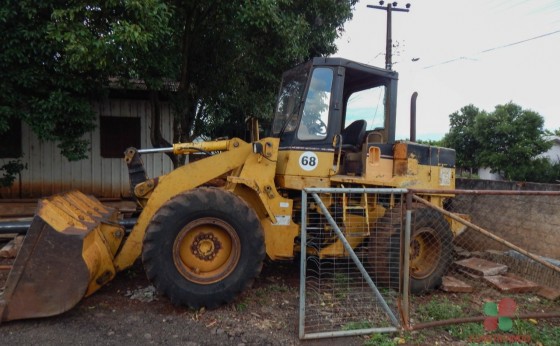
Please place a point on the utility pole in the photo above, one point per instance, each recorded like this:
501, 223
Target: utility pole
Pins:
389, 8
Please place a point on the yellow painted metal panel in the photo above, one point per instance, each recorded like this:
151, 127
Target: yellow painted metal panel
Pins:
181, 179
306, 163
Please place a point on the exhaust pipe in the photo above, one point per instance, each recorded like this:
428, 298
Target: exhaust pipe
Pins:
413, 116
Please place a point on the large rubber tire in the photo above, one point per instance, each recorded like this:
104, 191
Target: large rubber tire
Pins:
384, 250
431, 250
203, 247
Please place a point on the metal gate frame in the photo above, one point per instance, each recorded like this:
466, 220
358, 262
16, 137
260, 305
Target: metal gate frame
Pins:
381, 300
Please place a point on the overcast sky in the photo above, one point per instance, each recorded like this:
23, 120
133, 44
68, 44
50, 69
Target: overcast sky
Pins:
481, 52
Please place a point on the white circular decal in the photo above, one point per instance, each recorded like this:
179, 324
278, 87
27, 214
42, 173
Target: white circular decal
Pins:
308, 161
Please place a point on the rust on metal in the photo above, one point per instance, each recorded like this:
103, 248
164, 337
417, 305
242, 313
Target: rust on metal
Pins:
69, 247
48, 277
485, 192
538, 315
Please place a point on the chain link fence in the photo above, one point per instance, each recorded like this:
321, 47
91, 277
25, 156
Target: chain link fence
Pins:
504, 248
350, 272
479, 250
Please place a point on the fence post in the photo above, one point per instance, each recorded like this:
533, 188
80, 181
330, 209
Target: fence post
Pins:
302, 267
406, 262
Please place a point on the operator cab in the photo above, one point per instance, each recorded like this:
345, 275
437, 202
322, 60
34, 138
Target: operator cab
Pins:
328, 104
320, 98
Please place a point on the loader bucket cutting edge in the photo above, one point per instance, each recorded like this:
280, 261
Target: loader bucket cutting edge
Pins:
67, 254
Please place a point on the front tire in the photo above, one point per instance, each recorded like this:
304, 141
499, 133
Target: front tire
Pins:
203, 247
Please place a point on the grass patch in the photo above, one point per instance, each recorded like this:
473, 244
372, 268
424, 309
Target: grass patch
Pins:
277, 288
240, 307
357, 325
439, 309
540, 333
380, 339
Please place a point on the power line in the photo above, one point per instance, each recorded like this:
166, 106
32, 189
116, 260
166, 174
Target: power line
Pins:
519, 42
493, 49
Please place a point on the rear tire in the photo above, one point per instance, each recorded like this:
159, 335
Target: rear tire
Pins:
431, 250
203, 247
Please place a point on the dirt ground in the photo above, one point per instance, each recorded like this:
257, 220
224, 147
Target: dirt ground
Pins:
127, 311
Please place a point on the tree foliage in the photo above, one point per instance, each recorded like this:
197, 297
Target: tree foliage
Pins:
55, 57
462, 136
227, 57
510, 138
507, 140
220, 61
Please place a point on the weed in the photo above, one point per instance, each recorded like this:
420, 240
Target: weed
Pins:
543, 334
437, 310
464, 331
443, 309
341, 279
380, 339
357, 325
415, 338
240, 307
277, 288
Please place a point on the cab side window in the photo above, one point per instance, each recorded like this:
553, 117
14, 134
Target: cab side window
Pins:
369, 105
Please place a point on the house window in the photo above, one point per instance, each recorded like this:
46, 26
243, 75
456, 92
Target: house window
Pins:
118, 134
10, 141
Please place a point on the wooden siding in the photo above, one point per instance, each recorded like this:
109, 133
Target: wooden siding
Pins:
48, 172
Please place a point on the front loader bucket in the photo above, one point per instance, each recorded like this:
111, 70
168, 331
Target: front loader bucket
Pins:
67, 254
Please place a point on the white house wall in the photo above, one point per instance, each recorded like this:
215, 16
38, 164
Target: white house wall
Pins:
48, 172
553, 154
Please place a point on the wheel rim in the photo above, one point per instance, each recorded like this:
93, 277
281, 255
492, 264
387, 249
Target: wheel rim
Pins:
206, 250
425, 252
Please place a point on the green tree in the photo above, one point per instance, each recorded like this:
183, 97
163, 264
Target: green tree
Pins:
56, 57
219, 61
227, 58
510, 139
432, 142
462, 136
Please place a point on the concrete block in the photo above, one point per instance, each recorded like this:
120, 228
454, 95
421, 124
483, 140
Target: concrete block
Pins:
452, 284
462, 253
482, 267
469, 274
549, 293
511, 284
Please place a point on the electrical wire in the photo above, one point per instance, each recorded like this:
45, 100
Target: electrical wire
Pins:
493, 49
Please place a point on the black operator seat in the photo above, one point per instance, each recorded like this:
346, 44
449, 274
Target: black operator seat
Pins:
353, 136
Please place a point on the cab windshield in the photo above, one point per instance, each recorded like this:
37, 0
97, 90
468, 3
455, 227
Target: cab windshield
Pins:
289, 99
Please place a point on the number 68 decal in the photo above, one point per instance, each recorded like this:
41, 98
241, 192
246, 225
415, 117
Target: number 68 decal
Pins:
308, 161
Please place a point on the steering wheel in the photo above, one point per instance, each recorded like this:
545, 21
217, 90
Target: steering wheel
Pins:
317, 127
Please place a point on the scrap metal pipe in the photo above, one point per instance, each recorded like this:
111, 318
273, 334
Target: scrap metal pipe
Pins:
21, 227
485, 192
537, 315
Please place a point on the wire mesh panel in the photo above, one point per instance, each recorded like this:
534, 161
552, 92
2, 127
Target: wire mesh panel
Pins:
499, 256
351, 254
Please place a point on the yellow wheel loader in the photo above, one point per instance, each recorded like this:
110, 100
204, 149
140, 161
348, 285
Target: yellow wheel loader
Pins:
334, 125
